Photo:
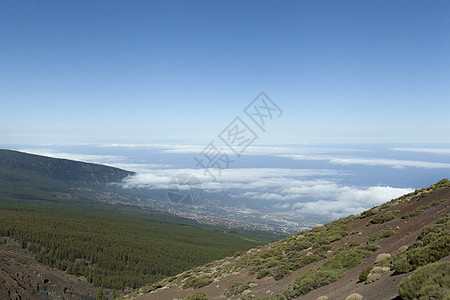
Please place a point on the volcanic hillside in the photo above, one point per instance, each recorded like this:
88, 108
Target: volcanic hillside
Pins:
399, 249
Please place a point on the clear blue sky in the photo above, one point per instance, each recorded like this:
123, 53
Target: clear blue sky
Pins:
142, 71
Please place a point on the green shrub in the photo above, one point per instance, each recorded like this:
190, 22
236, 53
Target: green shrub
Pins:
197, 282
363, 276
197, 296
238, 253
432, 244
387, 233
323, 249
314, 279
370, 247
375, 237
380, 219
345, 258
236, 288
421, 209
150, 288
367, 213
280, 272
262, 273
428, 282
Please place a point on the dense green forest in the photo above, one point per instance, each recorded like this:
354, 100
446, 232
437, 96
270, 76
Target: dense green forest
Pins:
116, 249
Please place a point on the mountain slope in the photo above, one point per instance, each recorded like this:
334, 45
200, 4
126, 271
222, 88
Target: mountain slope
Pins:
368, 254
17, 163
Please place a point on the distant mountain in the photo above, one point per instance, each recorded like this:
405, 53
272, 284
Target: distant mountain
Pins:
59, 169
399, 250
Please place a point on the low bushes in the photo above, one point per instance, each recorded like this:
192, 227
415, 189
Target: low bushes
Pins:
376, 273
428, 282
197, 282
421, 209
237, 288
197, 296
380, 219
432, 244
345, 258
363, 276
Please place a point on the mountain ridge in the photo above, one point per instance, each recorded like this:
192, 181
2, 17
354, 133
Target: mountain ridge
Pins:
60, 169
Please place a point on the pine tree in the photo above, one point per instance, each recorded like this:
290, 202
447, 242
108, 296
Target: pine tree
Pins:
100, 294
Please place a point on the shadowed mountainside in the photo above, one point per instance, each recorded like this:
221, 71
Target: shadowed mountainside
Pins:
19, 163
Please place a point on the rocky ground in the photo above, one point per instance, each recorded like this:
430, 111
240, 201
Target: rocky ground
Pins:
21, 277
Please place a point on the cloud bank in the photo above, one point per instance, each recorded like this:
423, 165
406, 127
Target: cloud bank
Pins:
291, 189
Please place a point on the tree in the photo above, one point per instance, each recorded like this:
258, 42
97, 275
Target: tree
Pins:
100, 295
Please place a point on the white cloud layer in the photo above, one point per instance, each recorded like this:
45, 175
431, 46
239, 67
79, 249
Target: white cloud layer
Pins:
295, 189
424, 150
394, 163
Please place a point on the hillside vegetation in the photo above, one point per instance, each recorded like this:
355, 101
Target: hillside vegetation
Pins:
115, 249
350, 257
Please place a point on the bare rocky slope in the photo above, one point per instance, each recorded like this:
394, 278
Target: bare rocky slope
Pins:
366, 254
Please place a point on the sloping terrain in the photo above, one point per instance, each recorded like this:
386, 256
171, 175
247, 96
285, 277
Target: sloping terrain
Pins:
368, 254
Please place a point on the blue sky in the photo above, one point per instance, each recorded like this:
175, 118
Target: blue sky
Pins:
140, 71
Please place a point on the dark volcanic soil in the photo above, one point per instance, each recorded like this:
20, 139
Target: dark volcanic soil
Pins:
21, 277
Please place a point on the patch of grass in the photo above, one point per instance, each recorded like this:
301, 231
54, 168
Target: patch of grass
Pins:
237, 288
262, 273
419, 210
367, 213
387, 234
345, 258
432, 244
363, 275
197, 282
150, 288
375, 237
238, 253
197, 296
314, 279
428, 282
380, 219
292, 253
